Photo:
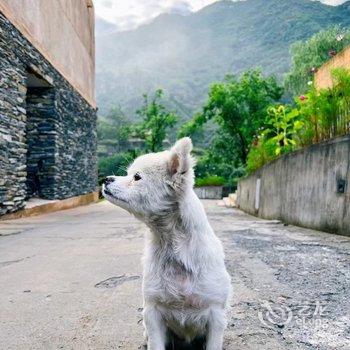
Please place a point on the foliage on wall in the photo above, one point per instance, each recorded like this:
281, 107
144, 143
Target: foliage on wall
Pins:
318, 116
308, 56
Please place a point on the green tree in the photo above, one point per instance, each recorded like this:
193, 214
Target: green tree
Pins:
112, 132
308, 56
116, 164
238, 106
113, 126
156, 121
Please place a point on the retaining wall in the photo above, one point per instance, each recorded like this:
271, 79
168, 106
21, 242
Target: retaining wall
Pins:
309, 188
209, 192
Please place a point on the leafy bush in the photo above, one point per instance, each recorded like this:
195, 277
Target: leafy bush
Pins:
308, 56
318, 116
279, 136
260, 154
283, 124
215, 162
211, 180
115, 165
328, 110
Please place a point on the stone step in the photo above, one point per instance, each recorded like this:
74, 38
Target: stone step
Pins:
229, 201
233, 199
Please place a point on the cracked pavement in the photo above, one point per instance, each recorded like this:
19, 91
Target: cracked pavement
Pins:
72, 280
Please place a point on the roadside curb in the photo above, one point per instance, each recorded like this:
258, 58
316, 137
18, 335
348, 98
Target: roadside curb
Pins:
58, 205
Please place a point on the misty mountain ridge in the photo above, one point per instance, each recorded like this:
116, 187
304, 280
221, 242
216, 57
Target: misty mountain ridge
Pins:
184, 54
103, 27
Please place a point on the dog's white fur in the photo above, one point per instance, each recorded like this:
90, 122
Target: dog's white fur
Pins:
185, 283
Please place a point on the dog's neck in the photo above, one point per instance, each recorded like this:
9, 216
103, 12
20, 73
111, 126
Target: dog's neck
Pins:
185, 216
179, 231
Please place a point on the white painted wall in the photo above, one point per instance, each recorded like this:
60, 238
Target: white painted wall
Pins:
63, 31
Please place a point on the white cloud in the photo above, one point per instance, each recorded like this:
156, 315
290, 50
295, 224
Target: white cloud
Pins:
333, 2
129, 14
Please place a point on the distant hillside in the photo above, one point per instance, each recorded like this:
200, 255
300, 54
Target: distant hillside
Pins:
104, 28
184, 54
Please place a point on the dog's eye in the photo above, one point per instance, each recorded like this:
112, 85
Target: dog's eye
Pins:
137, 177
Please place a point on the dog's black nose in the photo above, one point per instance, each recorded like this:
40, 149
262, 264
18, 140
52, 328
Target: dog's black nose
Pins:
108, 180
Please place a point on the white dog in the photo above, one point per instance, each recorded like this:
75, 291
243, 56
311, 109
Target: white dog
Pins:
185, 283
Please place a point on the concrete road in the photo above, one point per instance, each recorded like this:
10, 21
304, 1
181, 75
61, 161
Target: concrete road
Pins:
71, 280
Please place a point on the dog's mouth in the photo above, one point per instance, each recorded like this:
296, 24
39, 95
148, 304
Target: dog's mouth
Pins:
106, 191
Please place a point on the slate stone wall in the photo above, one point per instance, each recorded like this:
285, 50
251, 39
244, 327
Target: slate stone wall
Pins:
56, 120
41, 142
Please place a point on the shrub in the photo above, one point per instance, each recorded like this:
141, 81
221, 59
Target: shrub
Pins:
308, 56
319, 116
260, 154
211, 180
115, 165
280, 136
328, 110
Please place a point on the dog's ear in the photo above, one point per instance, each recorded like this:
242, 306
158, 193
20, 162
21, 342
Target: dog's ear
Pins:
180, 157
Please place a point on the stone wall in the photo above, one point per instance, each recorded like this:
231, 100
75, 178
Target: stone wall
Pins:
41, 143
70, 127
309, 188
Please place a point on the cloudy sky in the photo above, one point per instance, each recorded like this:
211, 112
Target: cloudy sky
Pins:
129, 14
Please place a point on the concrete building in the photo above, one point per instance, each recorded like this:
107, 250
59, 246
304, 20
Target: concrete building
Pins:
47, 101
323, 78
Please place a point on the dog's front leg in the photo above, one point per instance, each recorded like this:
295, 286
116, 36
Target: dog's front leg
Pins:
216, 327
155, 328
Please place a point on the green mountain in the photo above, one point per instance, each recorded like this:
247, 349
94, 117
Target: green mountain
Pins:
185, 54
